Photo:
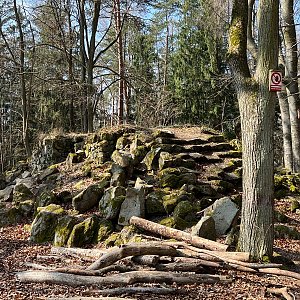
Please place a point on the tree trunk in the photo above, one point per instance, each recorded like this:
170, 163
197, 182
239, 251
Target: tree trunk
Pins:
291, 66
118, 22
257, 109
22, 77
286, 130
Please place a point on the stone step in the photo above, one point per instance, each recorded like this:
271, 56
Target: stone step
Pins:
211, 147
200, 158
193, 141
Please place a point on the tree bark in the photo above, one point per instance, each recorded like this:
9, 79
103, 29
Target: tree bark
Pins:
257, 109
177, 234
291, 72
119, 279
133, 249
286, 131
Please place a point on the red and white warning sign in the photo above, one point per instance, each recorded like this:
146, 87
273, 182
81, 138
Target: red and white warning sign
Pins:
275, 81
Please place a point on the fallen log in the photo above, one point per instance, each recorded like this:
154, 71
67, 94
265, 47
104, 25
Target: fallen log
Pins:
88, 298
119, 279
78, 252
177, 234
137, 290
132, 249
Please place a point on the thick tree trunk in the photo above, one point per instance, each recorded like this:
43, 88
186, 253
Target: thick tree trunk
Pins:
291, 65
257, 109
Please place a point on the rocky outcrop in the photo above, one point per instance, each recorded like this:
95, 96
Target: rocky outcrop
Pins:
118, 174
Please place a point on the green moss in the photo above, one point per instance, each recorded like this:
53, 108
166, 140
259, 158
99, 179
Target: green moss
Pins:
105, 229
112, 239
63, 230
83, 233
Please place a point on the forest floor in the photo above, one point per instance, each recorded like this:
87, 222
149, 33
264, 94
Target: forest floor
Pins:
16, 252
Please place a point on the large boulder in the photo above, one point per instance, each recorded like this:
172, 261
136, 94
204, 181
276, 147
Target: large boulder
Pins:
84, 232
89, 197
224, 211
46, 198
133, 205
44, 225
21, 193
110, 203
154, 203
205, 228
122, 158
63, 230
105, 229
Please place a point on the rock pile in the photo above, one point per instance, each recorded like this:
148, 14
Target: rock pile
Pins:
111, 176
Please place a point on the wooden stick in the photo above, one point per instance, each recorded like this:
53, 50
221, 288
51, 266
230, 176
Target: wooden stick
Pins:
91, 253
177, 234
281, 292
119, 279
276, 271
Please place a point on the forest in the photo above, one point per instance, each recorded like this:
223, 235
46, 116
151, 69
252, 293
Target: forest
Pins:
165, 102
77, 66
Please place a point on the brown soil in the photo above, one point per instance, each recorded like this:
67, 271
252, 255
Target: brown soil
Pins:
16, 251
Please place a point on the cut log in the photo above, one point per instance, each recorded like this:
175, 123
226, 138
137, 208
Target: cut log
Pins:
132, 249
148, 260
119, 279
177, 234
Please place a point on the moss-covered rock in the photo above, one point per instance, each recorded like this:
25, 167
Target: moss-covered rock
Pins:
176, 177
44, 225
63, 230
118, 175
171, 200
46, 198
280, 217
112, 240
21, 193
83, 233
105, 229
110, 203
122, 158
185, 210
123, 142
151, 159
286, 232
222, 186
175, 222
154, 203
295, 204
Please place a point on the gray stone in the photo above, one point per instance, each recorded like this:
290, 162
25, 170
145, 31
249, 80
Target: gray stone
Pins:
28, 182
133, 205
224, 212
118, 177
7, 193
110, 203
46, 173
122, 158
205, 228
89, 197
